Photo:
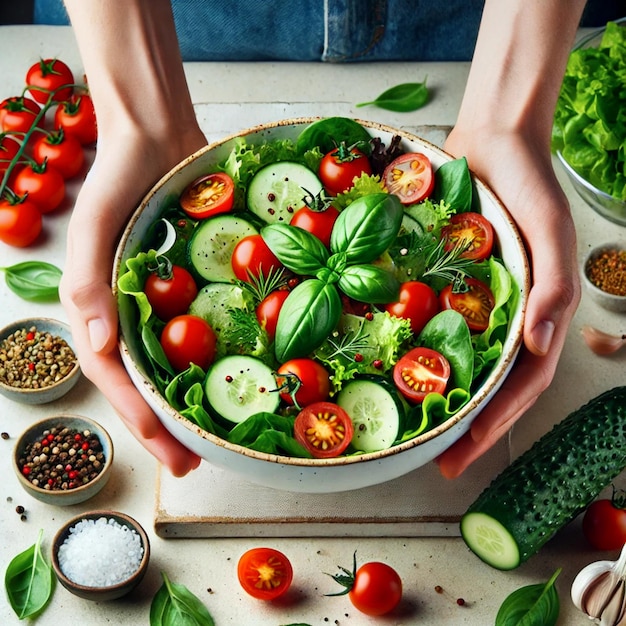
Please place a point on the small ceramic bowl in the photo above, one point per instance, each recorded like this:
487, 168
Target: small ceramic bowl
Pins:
59, 496
104, 536
50, 392
609, 301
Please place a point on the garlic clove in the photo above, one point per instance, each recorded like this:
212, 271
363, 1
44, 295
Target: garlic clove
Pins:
585, 578
613, 611
599, 593
600, 342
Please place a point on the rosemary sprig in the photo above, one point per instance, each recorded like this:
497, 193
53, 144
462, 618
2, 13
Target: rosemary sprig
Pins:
261, 286
349, 345
448, 265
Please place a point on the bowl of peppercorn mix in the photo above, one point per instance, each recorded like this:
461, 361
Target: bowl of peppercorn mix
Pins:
37, 362
63, 459
604, 272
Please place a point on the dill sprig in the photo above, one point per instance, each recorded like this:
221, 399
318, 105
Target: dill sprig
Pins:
349, 344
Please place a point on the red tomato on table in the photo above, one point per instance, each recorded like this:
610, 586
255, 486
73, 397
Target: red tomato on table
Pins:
20, 223
49, 75
44, 185
18, 114
77, 117
61, 151
604, 523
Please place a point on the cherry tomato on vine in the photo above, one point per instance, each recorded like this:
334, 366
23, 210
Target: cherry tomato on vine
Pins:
471, 230
324, 429
18, 114
474, 304
44, 185
252, 257
374, 588
208, 195
8, 149
305, 380
410, 177
77, 117
49, 75
264, 573
170, 291
268, 309
61, 151
20, 223
417, 302
188, 339
604, 522
419, 372
318, 223
339, 167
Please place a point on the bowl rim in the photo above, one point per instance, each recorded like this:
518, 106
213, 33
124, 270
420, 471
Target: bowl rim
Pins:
122, 519
483, 392
25, 322
55, 420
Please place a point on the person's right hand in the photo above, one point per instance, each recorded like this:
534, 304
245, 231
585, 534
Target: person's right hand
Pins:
125, 166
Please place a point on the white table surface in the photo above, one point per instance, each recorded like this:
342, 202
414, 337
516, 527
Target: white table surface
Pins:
247, 94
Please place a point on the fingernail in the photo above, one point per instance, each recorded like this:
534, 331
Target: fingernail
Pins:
98, 334
542, 335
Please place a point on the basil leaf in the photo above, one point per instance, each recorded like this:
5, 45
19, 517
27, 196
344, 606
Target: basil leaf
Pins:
154, 350
367, 227
329, 132
533, 605
175, 605
307, 317
29, 581
369, 283
33, 280
401, 98
297, 249
453, 184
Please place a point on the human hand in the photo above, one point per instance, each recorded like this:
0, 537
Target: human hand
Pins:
521, 174
124, 169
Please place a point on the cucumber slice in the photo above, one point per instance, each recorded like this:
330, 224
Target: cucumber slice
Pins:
238, 386
492, 540
375, 411
277, 190
411, 225
212, 244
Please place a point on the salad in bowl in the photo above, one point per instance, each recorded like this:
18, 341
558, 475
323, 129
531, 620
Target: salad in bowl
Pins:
312, 295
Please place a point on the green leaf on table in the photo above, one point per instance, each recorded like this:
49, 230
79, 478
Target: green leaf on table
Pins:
33, 280
173, 604
402, 98
29, 581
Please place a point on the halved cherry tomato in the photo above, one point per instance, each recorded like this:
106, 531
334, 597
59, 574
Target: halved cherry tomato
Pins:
77, 117
61, 151
339, 167
324, 429
418, 302
419, 372
268, 309
188, 339
472, 231
44, 185
208, 195
318, 223
170, 291
18, 114
47, 76
251, 257
304, 379
410, 177
474, 304
264, 573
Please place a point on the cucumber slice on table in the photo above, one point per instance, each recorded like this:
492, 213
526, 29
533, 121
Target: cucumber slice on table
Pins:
278, 190
212, 244
376, 413
240, 386
550, 484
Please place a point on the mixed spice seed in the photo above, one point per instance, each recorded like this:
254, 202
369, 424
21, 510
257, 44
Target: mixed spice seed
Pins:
62, 459
607, 271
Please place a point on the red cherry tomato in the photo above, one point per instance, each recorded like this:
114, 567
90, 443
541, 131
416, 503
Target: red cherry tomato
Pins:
318, 223
47, 76
471, 230
604, 523
61, 151
188, 339
170, 292
44, 185
208, 195
410, 177
419, 372
77, 117
305, 380
18, 114
268, 309
20, 224
338, 168
264, 573
418, 302
475, 304
324, 429
8, 149
251, 257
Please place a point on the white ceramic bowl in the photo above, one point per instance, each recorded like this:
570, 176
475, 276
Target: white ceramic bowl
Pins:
314, 475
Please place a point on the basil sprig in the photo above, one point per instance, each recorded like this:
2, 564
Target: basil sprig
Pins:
362, 232
33, 280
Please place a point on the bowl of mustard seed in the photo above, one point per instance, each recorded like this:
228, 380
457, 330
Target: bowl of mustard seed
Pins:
604, 274
37, 362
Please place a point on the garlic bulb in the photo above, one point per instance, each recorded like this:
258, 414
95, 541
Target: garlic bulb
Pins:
599, 591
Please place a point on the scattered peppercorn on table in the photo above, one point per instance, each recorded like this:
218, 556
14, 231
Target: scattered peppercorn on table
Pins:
443, 583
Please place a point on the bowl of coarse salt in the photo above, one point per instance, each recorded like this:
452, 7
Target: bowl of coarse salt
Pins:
101, 555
